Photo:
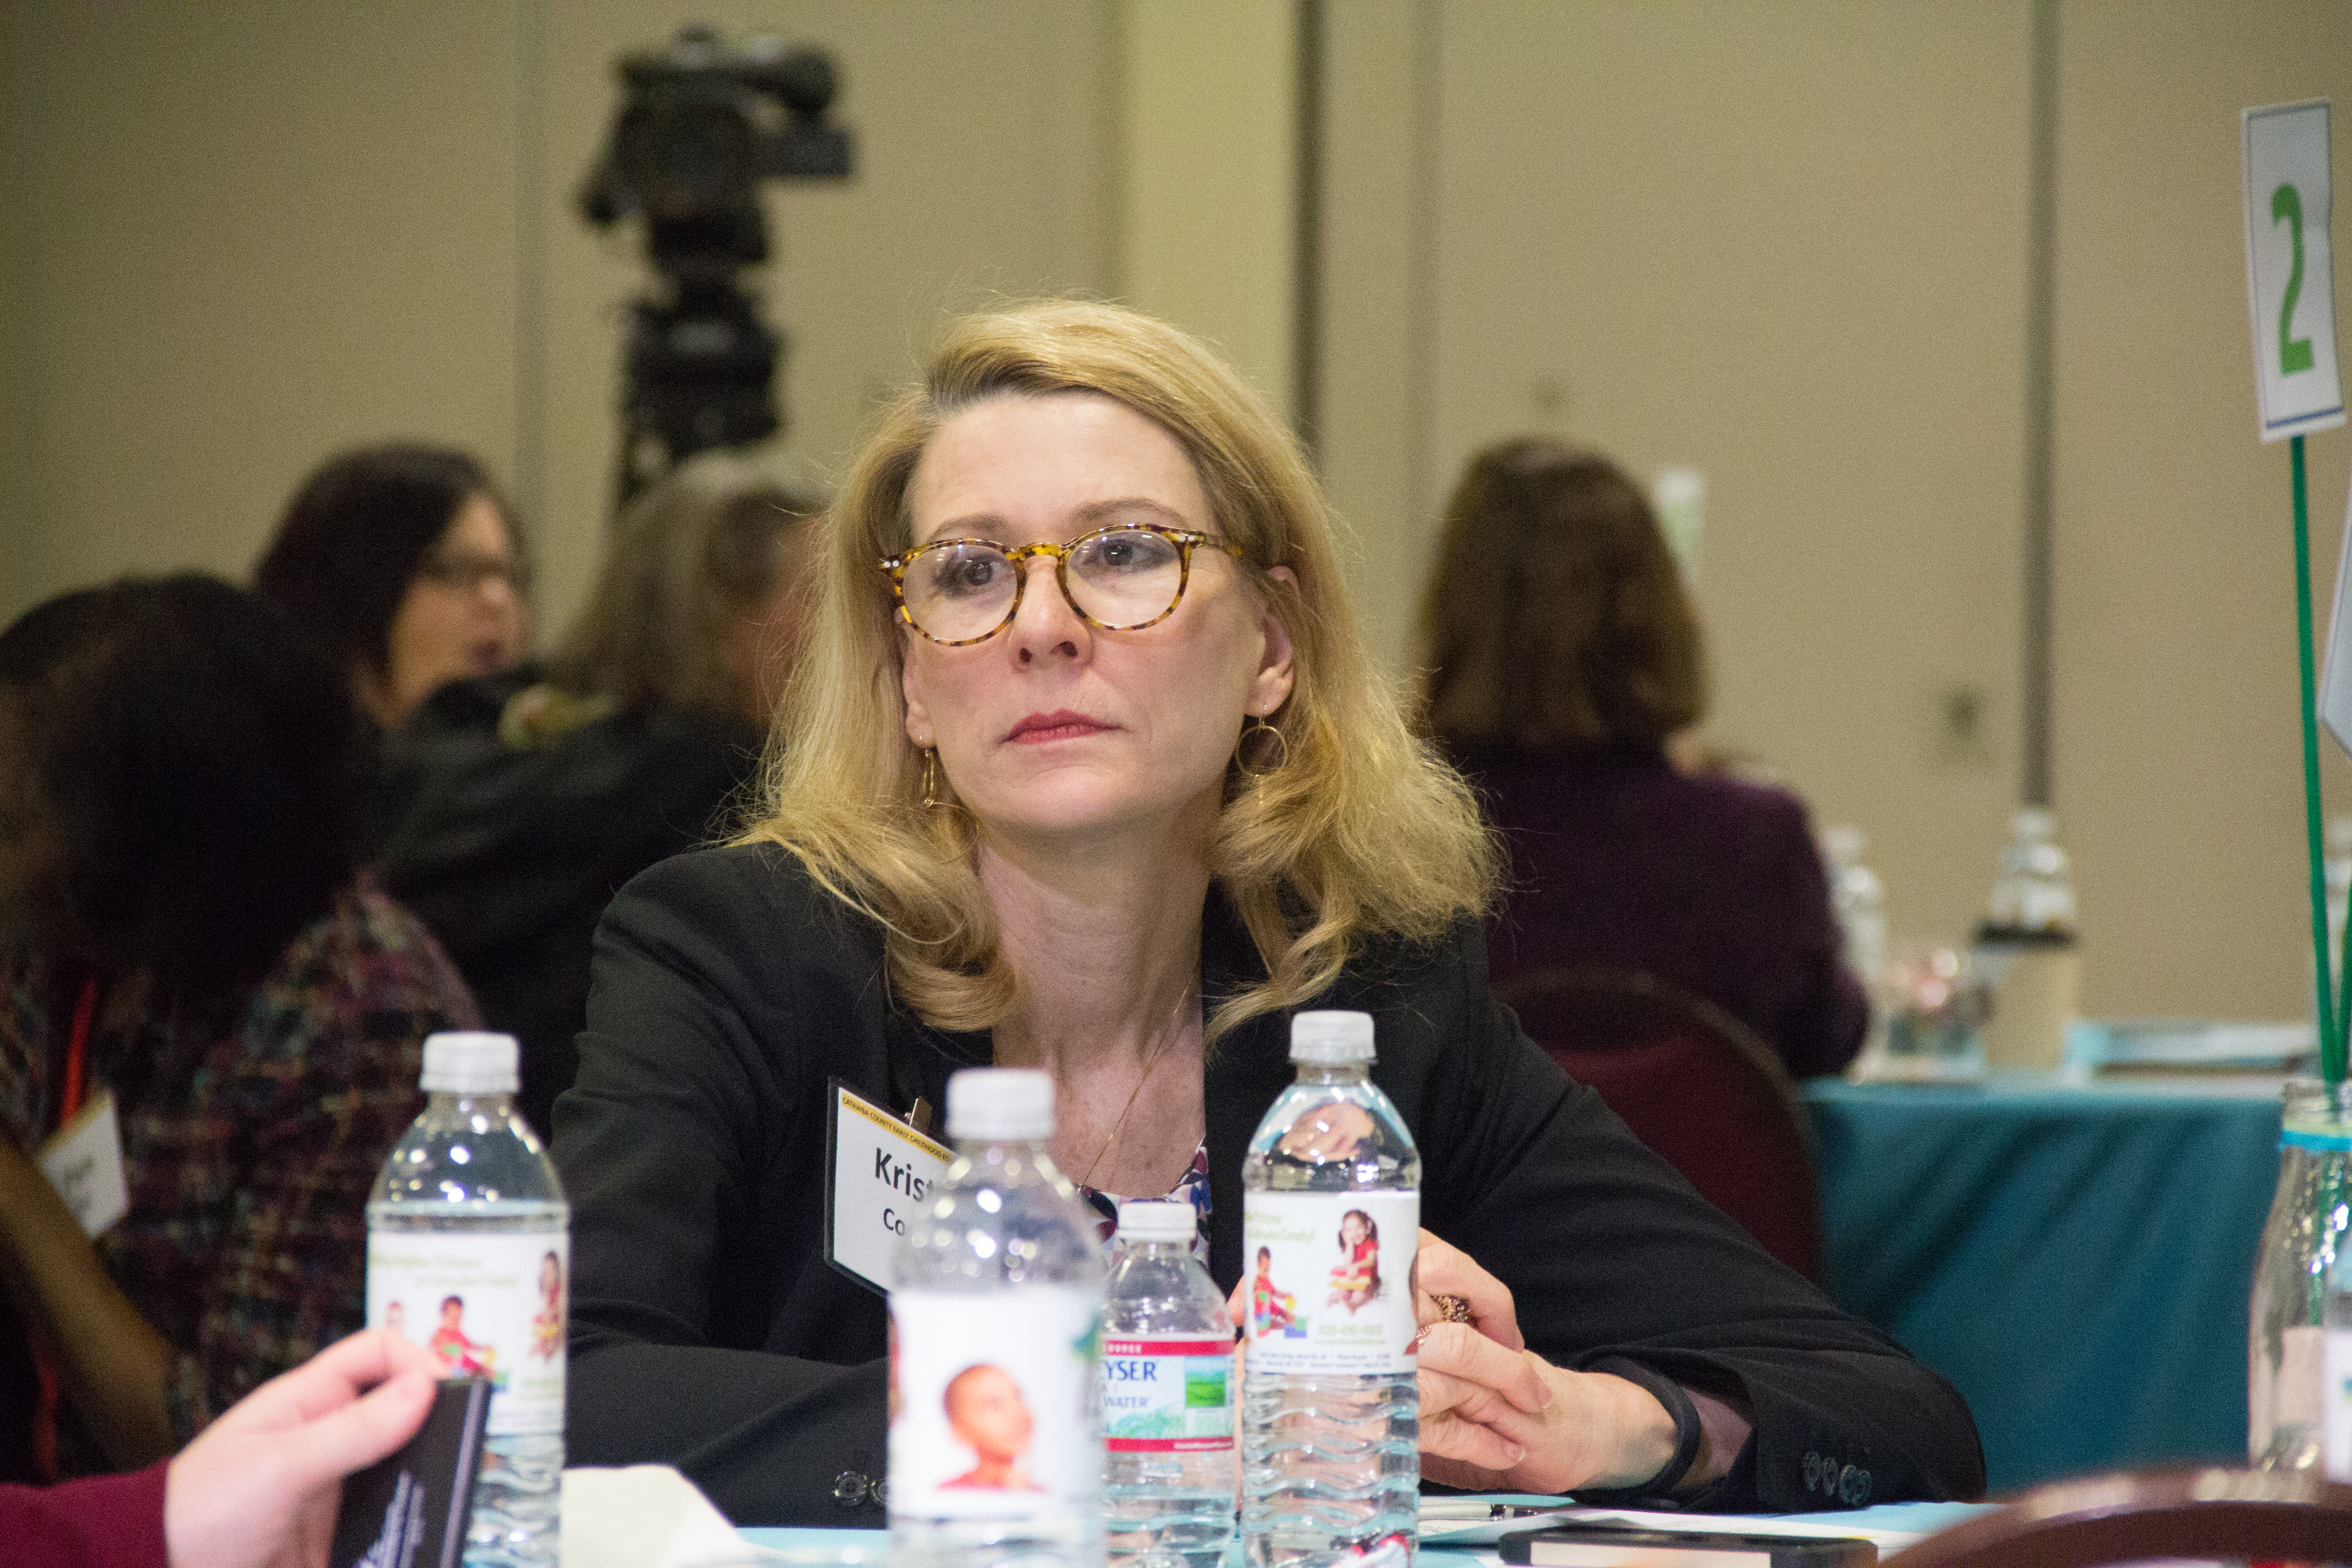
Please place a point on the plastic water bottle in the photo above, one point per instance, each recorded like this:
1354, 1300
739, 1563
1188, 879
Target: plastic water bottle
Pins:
996, 1308
2295, 1300
470, 1254
2033, 884
2324, 1139
2026, 950
1859, 900
1330, 1220
1167, 1393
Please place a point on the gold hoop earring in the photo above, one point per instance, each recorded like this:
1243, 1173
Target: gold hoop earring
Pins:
932, 801
1252, 731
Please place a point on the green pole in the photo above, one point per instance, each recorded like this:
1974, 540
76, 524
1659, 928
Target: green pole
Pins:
2331, 1036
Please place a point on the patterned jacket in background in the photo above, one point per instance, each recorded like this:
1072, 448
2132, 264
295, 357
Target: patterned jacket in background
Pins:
252, 1131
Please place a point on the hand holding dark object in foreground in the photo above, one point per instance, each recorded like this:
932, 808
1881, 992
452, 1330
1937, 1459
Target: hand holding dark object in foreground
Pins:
259, 1486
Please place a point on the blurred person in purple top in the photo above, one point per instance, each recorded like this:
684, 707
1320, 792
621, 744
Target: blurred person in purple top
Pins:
1559, 657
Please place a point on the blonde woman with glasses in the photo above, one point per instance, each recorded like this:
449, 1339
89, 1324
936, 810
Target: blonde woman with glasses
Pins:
1085, 768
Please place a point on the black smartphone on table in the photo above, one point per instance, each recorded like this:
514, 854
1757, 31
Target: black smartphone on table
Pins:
1609, 1546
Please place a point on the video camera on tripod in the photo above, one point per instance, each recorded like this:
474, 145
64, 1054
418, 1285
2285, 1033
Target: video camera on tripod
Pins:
700, 131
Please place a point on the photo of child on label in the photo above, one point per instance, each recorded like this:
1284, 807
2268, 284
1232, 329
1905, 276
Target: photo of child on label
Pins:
987, 1415
490, 1306
994, 1401
1352, 1315
547, 1325
1271, 1308
460, 1356
1356, 1279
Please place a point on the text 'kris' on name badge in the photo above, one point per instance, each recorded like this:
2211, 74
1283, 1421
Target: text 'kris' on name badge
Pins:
878, 1172
83, 1160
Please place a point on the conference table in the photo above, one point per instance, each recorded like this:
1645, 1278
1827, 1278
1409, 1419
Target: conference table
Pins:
1891, 1525
2076, 1258
649, 1516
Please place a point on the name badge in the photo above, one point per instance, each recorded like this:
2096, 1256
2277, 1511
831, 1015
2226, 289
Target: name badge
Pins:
878, 1172
83, 1160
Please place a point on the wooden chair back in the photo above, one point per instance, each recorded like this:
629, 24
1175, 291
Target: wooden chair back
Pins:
2266, 1516
1700, 1088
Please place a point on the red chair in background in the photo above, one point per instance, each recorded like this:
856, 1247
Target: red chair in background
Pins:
2232, 1515
1695, 1084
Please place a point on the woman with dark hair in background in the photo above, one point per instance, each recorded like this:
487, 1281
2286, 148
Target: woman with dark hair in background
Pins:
512, 806
401, 564
185, 948
1560, 653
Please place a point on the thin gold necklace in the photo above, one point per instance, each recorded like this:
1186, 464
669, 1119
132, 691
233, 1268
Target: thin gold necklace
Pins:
1151, 1065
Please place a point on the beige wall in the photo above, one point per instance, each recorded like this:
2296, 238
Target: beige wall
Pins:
1206, 198
2178, 749
248, 237
1782, 243
1786, 245
235, 240
1381, 227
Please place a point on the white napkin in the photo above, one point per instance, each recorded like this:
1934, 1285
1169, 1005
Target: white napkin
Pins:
645, 1516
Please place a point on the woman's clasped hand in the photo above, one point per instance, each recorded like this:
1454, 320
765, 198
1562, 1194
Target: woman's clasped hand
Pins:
1497, 1416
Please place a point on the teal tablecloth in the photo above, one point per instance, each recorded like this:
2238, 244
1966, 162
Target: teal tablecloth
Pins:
2076, 1259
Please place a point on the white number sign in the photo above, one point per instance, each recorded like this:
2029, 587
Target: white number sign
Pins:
2290, 280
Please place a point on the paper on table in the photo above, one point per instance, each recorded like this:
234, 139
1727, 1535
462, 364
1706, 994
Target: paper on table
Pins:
2186, 1043
645, 1516
1884, 1539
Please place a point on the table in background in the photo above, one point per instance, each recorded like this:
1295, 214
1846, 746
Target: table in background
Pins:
2076, 1259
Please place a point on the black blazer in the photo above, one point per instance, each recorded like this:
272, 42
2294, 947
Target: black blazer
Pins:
708, 1333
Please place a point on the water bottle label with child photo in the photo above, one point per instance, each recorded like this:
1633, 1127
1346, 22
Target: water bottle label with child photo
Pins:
992, 1404
1329, 1281
490, 1306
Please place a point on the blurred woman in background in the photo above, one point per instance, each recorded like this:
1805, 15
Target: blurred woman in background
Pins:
1559, 654
404, 566
187, 955
512, 806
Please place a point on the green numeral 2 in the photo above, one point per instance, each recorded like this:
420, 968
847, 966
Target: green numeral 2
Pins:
2294, 354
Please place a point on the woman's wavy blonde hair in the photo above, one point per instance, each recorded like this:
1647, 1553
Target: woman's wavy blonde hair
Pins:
1356, 830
